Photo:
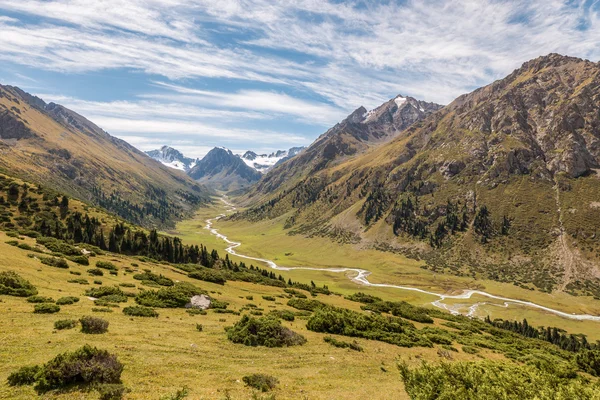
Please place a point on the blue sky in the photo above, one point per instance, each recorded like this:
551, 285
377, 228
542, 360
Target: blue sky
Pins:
267, 75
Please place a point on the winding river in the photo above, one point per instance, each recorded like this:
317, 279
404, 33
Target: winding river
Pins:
360, 276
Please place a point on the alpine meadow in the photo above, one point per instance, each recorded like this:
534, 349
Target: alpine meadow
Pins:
231, 200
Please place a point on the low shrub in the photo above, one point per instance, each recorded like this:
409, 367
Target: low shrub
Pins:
249, 298
115, 293
283, 314
86, 366
102, 309
58, 246
129, 285
262, 382
106, 265
68, 300
174, 296
80, 281
196, 311
263, 331
140, 311
158, 279
95, 272
105, 303
208, 275
470, 350
93, 325
24, 376
97, 282
304, 304
269, 298
589, 361
341, 344
65, 324
75, 273
40, 299
81, 260
46, 308
199, 327
55, 262
214, 303
110, 391
256, 312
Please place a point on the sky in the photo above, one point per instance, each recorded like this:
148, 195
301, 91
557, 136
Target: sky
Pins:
264, 75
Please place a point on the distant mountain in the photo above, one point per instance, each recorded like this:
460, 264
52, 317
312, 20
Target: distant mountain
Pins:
49, 144
502, 184
223, 170
359, 132
172, 158
264, 162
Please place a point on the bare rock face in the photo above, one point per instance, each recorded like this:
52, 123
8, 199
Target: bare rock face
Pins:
199, 301
11, 127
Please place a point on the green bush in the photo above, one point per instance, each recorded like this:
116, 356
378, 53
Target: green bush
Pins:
263, 331
13, 285
115, 293
102, 309
58, 246
75, 273
214, 303
95, 272
40, 299
46, 308
68, 300
97, 282
81, 260
262, 382
24, 376
196, 311
140, 311
65, 324
55, 262
86, 366
269, 298
249, 298
199, 327
110, 391
589, 361
129, 285
304, 304
93, 325
491, 380
174, 296
158, 279
208, 275
341, 344
283, 314
12, 242
80, 281
106, 265
470, 350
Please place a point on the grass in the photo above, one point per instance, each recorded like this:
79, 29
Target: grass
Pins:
268, 239
315, 370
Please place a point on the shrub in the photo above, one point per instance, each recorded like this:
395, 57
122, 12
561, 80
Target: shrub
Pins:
13, 285
101, 309
81, 281
12, 242
115, 293
214, 303
81, 260
263, 331
63, 301
65, 324
129, 285
589, 361
196, 311
269, 298
341, 344
208, 275
24, 376
95, 272
40, 299
58, 246
85, 366
46, 308
55, 262
178, 395
140, 311
304, 304
111, 391
158, 279
283, 314
470, 350
174, 296
199, 327
75, 273
93, 325
261, 382
249, 298
97, 282
106, 265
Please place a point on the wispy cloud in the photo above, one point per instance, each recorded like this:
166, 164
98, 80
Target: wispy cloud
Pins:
310, 61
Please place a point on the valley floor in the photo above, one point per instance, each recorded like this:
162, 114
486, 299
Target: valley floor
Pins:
268, 240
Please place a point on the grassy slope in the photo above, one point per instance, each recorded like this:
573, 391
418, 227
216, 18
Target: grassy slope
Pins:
158, 353
268, 239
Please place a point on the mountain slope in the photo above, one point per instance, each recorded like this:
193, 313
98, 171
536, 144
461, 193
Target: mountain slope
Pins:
223, 170
501, 184
172, 158
52, 145
356, 134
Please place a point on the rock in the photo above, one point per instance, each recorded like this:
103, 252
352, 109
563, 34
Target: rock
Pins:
199, 301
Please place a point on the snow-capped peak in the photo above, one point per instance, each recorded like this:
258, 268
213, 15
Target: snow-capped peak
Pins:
399, 100
172, 158
264, 162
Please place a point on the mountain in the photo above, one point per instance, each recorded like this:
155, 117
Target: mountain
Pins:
500, 184
223, 170
264, 162
360, 131
172, 158
52, 145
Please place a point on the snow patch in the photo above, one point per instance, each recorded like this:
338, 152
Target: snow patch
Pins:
399, 101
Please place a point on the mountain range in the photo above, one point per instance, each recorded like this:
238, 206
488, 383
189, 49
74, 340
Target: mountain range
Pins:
502, 183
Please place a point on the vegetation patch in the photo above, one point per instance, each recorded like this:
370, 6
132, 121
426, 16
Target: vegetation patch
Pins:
305, 304
95, 272
68, 300
86, 367
55, 262
12, 284
93, 325
106, 265
174, 296
262, 382
263, 331
342, 344
46, 308
65, 324
140, 311
40, 299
